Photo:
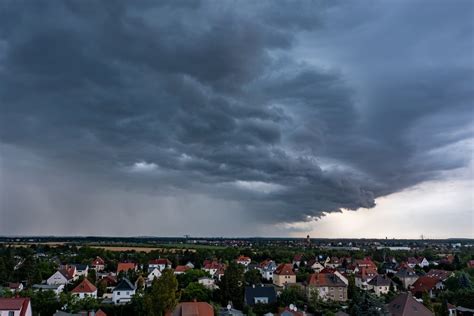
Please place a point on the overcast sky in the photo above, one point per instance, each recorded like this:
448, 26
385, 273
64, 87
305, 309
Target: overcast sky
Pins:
237, 118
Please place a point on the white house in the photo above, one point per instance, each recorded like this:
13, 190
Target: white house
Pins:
155, 273
209, 283
317, 267
63, 276
267, 268
56, 288
243, 260
82, 270
123, 292
15, 306
160, 264
190, 265
85, 289
380, 285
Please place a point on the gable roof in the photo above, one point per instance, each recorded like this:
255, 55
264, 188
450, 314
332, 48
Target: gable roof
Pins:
424, 284
98, 261
259, 291
68, 273
285, 269
124, 285
181, 269
193, 309
160, 261
100, 313
85, 287
125, 266
406, 272
325, 280
380, 280
14, 304
405, 305
439, 274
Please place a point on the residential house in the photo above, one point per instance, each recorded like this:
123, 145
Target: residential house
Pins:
364, 263
364, 275
424, 284
267, 268
328, 286
334, 262
63, 276
81, 270
181, 269
208, 283
229, 311
407, 275
243, 260
15, 287
85, 289
159, 264
192, 309
56, 288
126, 266
297, 260
405, 305
470, 264
316, 266
155, 273
214, 268
190, 265
441, 275
98, 264
123, 292
259, 295
18, 306
284, 275
380, 284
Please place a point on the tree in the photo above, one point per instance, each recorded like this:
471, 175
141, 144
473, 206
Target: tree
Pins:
367, 304
427, 300
196, 291
164, 294
253, 277
292, 295
231, 286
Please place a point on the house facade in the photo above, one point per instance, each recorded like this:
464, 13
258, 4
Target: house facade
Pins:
123, 292
284, 275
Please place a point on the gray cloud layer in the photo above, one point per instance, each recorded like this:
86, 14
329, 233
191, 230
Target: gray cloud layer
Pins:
274, 112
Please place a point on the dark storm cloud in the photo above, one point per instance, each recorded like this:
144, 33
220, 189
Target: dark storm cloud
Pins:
223, 101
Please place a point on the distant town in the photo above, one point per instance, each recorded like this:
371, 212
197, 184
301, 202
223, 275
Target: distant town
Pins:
190, 276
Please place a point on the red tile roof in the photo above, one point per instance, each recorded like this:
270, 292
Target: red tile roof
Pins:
243, 258
181, 268
125, 266
424, 284
85, 287
15, 304
192, 309
100, 313
98, 261
285, 269
325, 279
160, 261
439, 274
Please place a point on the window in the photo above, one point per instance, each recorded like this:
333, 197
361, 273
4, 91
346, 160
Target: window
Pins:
118, 293
128, 293
11, 313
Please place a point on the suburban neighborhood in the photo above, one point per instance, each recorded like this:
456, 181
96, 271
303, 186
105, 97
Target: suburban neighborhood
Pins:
304, 277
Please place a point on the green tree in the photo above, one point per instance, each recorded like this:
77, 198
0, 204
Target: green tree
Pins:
367, 304
196, 291
427, 300
293, 294
231, 286
253, 277
164, 294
